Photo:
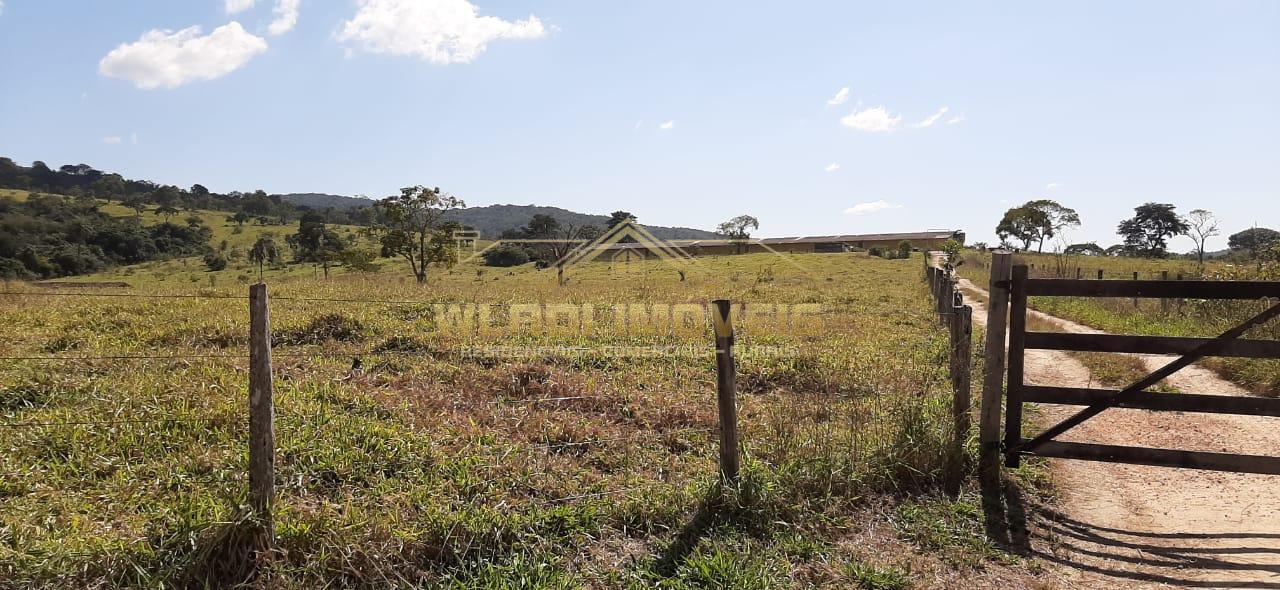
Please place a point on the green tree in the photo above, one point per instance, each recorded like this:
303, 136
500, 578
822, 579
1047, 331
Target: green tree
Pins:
556, 239
618, 217
240, 217
264, 252
315, 243
414, 228
1086, 249
215, 261
1147, 233
506, 255
738, 230
138, 204
1035, 221
1254, 240
168, 211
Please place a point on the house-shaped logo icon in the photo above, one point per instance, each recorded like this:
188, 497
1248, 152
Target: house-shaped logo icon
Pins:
624, 242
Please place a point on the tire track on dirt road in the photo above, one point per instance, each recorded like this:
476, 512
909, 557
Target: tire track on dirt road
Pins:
1135, 526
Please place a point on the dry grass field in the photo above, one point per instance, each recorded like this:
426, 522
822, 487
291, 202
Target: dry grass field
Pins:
504, 431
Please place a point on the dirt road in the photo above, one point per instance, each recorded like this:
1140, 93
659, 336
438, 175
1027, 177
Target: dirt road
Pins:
1132, 526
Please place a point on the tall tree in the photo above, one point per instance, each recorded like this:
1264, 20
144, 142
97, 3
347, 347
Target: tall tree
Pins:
618, 217
559, 238
264, 251
315, 243
1148, 231
738, 230
167, 211
414, 228
1201, 225
138, 204
1254, 240
1035, 221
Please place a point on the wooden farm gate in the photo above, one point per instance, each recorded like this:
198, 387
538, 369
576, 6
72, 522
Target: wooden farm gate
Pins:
1229, 344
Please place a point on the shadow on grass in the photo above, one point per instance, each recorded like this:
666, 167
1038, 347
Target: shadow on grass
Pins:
1005, 510
714, 511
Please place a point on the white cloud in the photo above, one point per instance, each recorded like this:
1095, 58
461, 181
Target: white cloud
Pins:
439, 31
286, 13
1052, 185
133, 138
112, 140
1, 6
832, 167
234, 6
639, 123
667, 126
872, 207
955, 119
840, 98
165, 59
931, 119
874, 120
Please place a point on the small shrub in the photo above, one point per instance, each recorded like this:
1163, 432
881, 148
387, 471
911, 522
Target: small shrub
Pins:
215, 261
506, 255
321, 329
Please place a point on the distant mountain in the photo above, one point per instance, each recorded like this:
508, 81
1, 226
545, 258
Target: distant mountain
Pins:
492, 220
321, 201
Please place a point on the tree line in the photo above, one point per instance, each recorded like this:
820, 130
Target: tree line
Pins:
85, 182
51, 236
1145, 235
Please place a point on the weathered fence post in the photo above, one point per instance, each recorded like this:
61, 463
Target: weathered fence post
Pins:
726, 389
993, 372
1099, 274
1017, 346
943, 296
261, 412
961, 402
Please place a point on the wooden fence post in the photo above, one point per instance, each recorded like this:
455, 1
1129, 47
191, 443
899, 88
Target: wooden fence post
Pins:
261, 412
943, 297
1099, 274
726, 390
961, 401
1017, 348
993, 372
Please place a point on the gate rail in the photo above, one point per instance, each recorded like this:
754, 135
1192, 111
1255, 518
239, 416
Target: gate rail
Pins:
1018, 287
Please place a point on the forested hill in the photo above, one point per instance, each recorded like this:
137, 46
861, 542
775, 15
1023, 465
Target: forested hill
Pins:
82, 180
322, 201
493, 220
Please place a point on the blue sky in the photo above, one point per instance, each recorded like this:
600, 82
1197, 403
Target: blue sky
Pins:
1100, 105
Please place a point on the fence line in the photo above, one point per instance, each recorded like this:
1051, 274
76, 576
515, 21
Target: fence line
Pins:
260, 441
958, 318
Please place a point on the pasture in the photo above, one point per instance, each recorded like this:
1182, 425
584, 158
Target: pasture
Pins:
501, 428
